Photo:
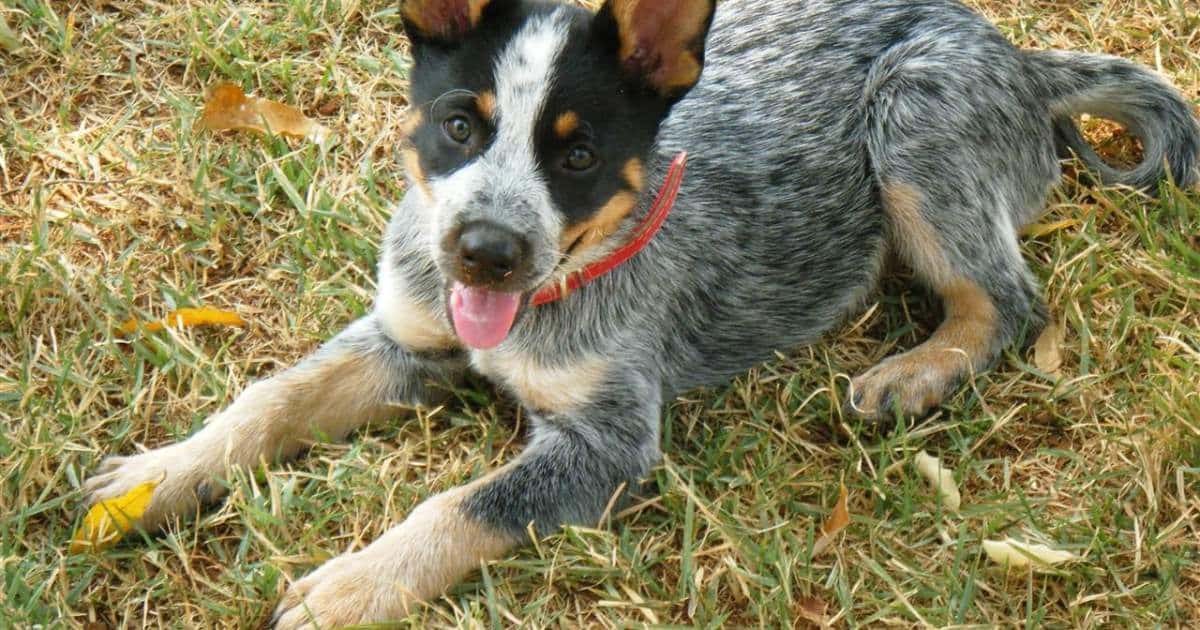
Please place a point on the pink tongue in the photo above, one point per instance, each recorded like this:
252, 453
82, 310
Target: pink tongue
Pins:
482, 318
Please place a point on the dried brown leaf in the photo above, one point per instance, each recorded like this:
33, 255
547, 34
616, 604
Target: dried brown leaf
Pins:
837, 521
228, 107
814, 610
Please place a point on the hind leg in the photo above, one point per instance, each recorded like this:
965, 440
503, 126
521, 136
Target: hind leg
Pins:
989, 299
963, 157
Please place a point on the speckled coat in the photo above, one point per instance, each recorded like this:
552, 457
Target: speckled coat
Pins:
821, 133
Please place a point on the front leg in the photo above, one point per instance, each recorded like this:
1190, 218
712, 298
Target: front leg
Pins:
577, 462
356, 377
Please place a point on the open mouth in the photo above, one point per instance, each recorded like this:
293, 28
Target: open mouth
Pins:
482, 317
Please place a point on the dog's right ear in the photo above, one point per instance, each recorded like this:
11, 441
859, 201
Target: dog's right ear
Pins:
442, 21
659, 43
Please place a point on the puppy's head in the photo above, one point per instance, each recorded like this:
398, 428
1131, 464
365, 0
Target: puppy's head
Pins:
529, 129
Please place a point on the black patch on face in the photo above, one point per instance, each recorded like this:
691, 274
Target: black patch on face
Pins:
617, 119
446, 78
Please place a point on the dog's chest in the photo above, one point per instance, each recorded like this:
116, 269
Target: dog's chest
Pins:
558, 388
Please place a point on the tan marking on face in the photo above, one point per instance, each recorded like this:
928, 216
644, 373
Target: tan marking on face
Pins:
412, 163
557, 389
476, 8
602, 224
566, 124
634, 175
663, 29
684, 73
411, 122
486, 103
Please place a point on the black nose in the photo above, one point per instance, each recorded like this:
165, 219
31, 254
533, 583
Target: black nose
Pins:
489, 253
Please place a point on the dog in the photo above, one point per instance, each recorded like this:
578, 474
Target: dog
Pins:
608, 209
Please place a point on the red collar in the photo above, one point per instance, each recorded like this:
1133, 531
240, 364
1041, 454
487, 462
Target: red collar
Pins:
649, 227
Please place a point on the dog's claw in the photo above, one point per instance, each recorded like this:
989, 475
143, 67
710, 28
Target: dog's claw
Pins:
208, 492
884, 409
92, 485
858, 399
110, 464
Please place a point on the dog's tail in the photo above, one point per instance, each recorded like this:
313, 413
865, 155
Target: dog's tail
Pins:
1130, 94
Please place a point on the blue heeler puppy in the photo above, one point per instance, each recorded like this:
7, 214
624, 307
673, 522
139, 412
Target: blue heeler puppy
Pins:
539, 246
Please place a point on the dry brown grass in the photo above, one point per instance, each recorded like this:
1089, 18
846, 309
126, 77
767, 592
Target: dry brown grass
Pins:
112, 205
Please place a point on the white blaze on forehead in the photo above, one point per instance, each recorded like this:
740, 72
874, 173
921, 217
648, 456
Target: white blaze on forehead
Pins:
508, 169
524, 77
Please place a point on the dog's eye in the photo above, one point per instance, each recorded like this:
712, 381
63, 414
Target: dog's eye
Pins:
457, 128
580, 158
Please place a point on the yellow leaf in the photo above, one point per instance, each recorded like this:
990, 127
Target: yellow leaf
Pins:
1047, 353
1038, 230
836, 522
940, 478
185, 317
1015, 553
108, 521
228, 107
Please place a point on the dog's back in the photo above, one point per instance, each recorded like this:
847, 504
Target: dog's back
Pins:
782, 227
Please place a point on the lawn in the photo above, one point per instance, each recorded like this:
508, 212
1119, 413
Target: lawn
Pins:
114, 205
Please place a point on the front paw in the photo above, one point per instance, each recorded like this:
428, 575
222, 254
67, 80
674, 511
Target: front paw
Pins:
351, 589
183, 481
415, 561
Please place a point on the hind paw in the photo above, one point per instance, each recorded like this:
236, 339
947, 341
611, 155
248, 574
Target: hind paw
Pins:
911, 384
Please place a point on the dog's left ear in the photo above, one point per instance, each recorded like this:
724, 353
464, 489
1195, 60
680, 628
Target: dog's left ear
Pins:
442, 21
659, 43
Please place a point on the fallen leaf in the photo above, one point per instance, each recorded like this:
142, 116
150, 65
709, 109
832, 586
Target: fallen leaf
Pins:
185, 317
814, 610
108, 521
228, 107
1047, 353
940, 478
1015, 553
836, 522
329, 106
1038, 230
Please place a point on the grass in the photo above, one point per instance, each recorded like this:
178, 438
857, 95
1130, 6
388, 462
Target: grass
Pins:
112, 205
